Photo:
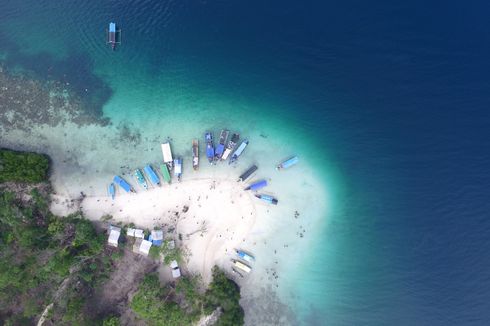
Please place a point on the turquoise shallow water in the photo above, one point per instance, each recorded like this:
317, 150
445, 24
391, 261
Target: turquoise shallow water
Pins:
387, 101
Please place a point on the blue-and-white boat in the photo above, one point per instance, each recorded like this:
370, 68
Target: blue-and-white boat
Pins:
238, 151
223, 136
244, 255
257, 185
209, 146
288, 163
178, 168
152, 175
112, 190
268, 199
123, 184
141, 178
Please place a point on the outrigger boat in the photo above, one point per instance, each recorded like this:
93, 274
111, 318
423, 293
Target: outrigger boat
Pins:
209, 147
178, 168
257, 185
244, 267
112, 190
195, 154
248, 173
288, 163
141, 178
268, 199
123, 184
112, 36
238, 151
245, 256
167, 155
165, 172
223, 136
231, 145
152, 175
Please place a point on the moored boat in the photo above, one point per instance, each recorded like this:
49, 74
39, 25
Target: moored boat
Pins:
223, 136
244, 255
231, 145
178, 168
238, 151
245, 175
195, 154
235, 271
141, 178
209, 146
257, 185
268, 199
112, 190
242, 266
165, 172
167, 155
123, 184
152, 175
288, 163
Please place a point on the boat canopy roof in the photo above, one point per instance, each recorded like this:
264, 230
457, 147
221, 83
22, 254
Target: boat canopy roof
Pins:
153, 176
240, 148
178, 166
289, 162
258, 185
112, 27
121, 182
167, 153
242, 266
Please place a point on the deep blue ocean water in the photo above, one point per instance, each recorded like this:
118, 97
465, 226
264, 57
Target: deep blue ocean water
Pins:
395, 98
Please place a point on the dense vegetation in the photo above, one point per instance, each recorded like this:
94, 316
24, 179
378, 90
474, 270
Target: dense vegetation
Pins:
23, 167
185, 304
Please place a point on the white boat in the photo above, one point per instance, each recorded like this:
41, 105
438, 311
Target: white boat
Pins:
178, 168
167, 154
231, 145
241, 266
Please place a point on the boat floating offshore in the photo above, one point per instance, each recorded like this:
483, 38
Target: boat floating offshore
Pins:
245, 175
268, 199
167, 155
112, 190
178, 168
231, 145
288, 163
152, 175
209, 146
242, 266
113, 36
244, 255
165, 173
195, 154
123, 184
257, 185
223, 136
238, 151
141, 178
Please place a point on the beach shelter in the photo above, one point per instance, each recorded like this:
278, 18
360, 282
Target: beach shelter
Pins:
156, 237
145, 247
137, 233
114, 233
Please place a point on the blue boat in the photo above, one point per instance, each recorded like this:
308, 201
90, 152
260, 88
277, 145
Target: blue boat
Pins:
152, 175
238, 151
123, 184
209, 147
288, 163
245, 256
221, 145
268, 199
257, 185
141, 178
112, 190
178, 168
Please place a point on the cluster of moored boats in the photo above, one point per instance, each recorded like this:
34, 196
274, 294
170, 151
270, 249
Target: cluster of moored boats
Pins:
242, 264
226, 149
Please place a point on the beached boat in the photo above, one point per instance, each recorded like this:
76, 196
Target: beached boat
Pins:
167, 155
178, 168
152, 175
238, 151
165, 172
242, 266
231, 145
195, 154
268, 199
223, 136
288, 163
257, 185
235, 271
141, 178
244, 255
245, 175
209, 146
112, 190
123, 184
